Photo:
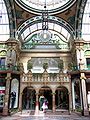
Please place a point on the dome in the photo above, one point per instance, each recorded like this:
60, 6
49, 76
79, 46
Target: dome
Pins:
51, 5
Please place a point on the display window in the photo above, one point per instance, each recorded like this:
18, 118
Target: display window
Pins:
2, 93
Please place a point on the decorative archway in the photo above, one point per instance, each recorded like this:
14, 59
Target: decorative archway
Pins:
29, 98
62, 98
47, 93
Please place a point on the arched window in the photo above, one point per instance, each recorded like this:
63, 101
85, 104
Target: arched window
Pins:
4, 22
58, 35
86, 22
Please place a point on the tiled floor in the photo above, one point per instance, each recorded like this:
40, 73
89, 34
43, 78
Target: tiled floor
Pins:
45, 118
25, 115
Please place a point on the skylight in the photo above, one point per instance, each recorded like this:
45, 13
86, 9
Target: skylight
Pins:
4, 23
52, 5
86, 22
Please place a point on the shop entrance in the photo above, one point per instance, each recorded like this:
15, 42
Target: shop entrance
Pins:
28, 98
62, 98
47, 93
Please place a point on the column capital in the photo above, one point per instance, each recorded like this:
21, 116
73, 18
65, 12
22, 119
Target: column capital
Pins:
53, 93
37, 93
83, 76
8, 78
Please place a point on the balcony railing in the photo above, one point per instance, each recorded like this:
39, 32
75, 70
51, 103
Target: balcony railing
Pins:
74, 68
53, 77
13, 68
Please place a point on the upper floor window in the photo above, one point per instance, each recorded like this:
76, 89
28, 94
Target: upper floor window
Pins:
4, 22
2, 61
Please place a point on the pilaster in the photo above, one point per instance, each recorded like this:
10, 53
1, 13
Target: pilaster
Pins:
6, 98
79, 44
83, 94
73, 95
37, 104
53, 102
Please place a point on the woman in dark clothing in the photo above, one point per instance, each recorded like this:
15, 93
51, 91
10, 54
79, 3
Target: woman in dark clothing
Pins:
41, 100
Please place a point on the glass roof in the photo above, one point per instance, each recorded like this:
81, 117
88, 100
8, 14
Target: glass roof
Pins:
4, 22
86, 22
31, 26
50, 4
31, 34
53, 28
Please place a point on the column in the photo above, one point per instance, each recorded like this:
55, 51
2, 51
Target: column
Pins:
79, 50
20, 101
37, 105
53, 102
20, 93
73, 95
70, 102
6, 98
78, 57
70, 94
80, 94
84, 96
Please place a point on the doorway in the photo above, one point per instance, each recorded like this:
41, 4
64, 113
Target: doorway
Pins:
28, 98
62, 98
47, 93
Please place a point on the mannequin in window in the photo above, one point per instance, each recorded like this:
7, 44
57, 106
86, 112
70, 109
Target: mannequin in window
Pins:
13, 98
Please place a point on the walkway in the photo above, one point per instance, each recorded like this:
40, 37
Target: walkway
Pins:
25, 115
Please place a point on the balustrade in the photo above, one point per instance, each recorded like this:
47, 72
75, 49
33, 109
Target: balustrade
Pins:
50, 77
9, 67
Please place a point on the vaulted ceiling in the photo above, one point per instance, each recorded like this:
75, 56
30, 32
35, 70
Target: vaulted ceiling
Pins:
72, 15
67, 14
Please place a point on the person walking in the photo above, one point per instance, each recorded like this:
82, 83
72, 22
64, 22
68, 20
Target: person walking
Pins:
45, 105
41, 100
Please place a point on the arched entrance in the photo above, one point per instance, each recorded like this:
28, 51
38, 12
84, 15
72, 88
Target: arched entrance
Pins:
77, 95
62, 98
28, 98
47, 93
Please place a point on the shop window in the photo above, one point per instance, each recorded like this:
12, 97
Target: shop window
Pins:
2, 61
2, 93
88, 62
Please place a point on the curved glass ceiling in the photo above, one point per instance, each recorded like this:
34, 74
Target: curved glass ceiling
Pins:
32, 35
34, 25
86, 22
53, 28
50, 4
4, 22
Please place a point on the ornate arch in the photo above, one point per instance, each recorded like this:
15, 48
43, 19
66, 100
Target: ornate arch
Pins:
11, 15
79, 16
